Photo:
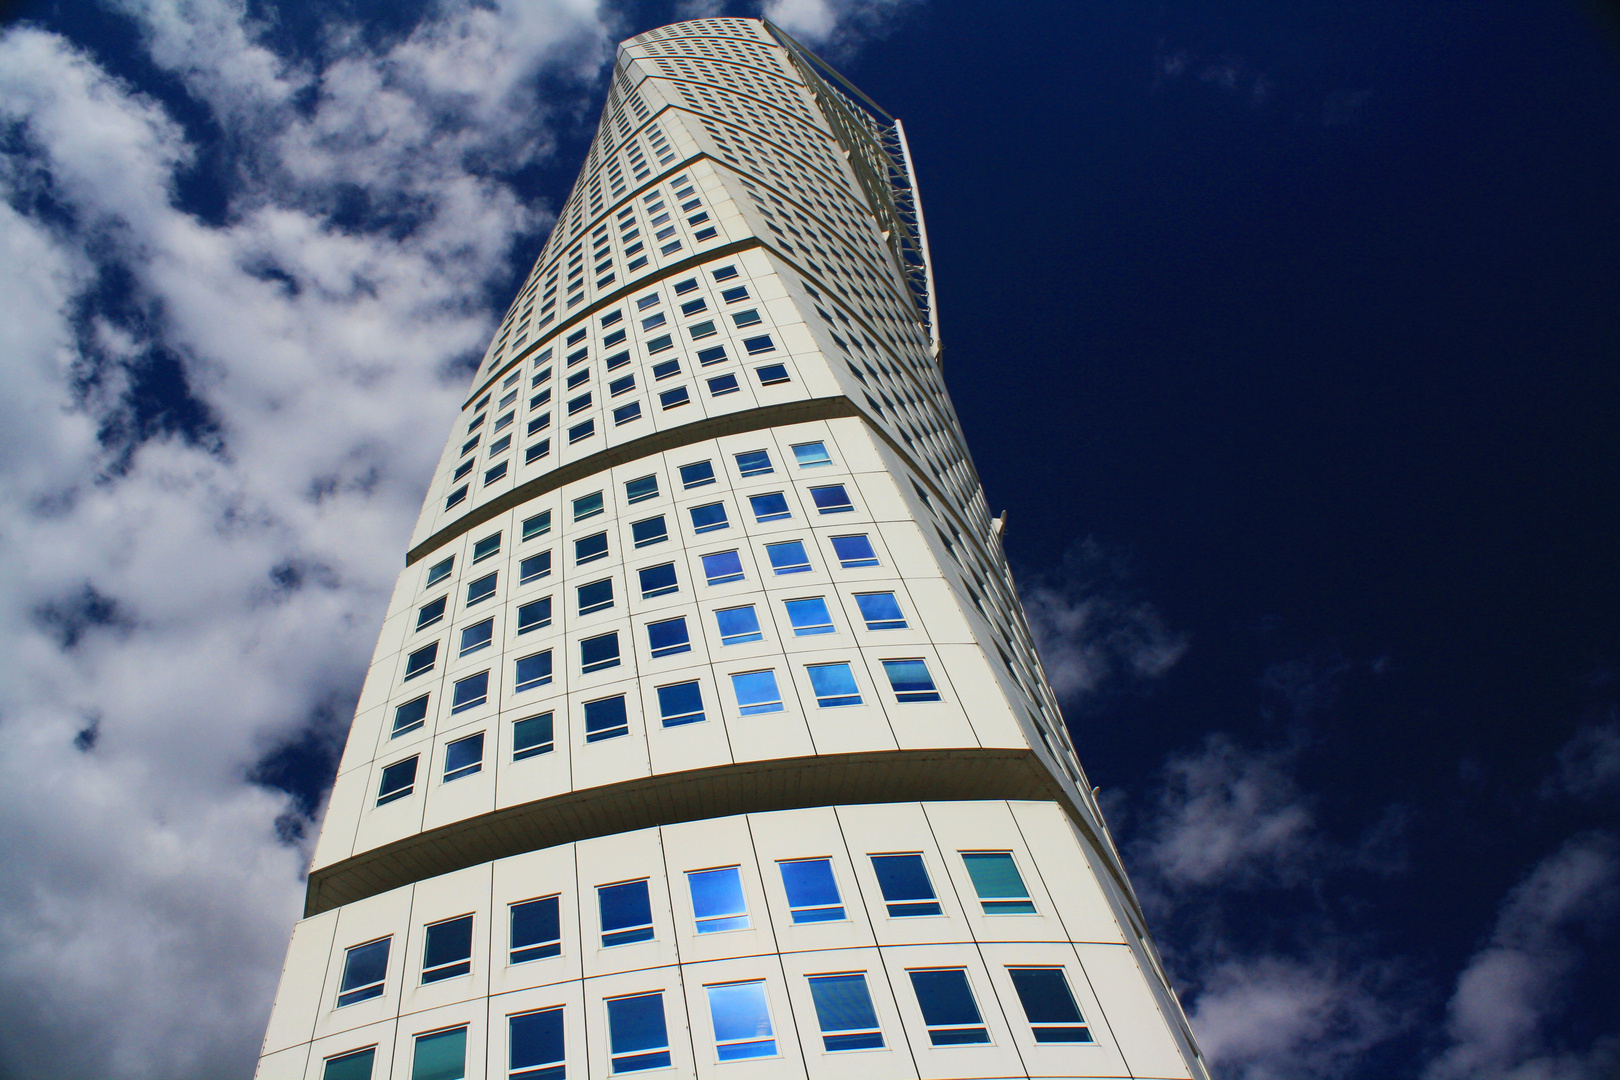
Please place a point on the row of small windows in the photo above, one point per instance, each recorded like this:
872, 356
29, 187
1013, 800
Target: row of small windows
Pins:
740, 1016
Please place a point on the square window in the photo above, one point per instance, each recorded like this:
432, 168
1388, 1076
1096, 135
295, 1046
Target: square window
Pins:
582, 431
722, 567
532, 736
588, 549
834, 685
757, 692
680, 703
428, 614
532, 671
538, 525
788, 557
881, 611
731, 296
759, 345
844, 1012
536, 930
477, 636
470, 692
809, 617
355, 1065
666, 369
622, 386
907, 892
649, 531
598, 653
641, 490
410, 716
742, 1021
712, 355
536, 1042
587, 506
948, 1008
910, 680
717, 900
534, 567
439, 571
398, 781
482, 589
832, 499
637, 1038
854, 552
723, 384
658, 580
440, 1056
670, 399
996, 880
595, 596
772, 374
749, 317
365, 967
812, 891
605, 718
697, 474
668, 637
738, 625
421, 660
626, 413
709, 518
771, 507
448, 949
626, 913
754, 463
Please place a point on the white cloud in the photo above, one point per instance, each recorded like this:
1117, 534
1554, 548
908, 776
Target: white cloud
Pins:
1589, 764
182, 601
1512, 987
835, 26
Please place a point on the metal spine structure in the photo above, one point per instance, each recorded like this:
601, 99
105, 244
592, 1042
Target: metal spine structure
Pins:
705, 734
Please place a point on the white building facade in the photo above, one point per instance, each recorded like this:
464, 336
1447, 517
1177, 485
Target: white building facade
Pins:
705, 735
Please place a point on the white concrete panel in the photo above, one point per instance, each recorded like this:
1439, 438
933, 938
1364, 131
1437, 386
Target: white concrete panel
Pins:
299, 996
1134, 1019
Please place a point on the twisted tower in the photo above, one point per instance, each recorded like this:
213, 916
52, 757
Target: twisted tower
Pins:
705, 733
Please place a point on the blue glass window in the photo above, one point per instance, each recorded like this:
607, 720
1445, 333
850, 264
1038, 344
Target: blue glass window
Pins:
595, 596
669, 399
538, 525
496, 473
464, 757
788, 557
658, 580
398, 781
536, 1045
948, 1008
717, 900
534, 616
906, 889
758, 345
844, 1011
809, 616
680, 704
421, 660
910, 680
757, 692
651, 531
834, 685
725, 273
410, 716
773, 374
470, 692
1049, 1005
738, 625
731, 296
439, 571
812, 891
430, 614
588, 506
723, 384
582, 431
455, 496
668, 637
605, 718
536, 451
995, 878
754, 463
482, 589
811, 454
532, 671
699, 331
364, 969
709, 518
441, 1055
597, 653
712, 355
697, 474
622, 385
771, 507
854, 552
590, 548
641, 490
477, 636
742, 1021
665, 369
637, 1038
881, 611
489, 545
448, 949
536, 930
626, 913
626, 413
721, 567
832, 499
532, 736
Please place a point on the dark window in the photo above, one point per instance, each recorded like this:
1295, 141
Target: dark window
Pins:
464, 757
844, 1011
665, 369
532, 736
448, 951
590, 548
364, 969
482, 589
758, 345
906, 888
722, 384
596, 596
534, 616
597, 653
621, 386
650, 531
355, 1065
410, 716
948, 1007
536, 930
538, 525
641, 490
534, 568
470, 692
709, 518
772, 374
421, 660
489, 545
669, 399
637, 1037
854, 551
626, 413
536, 1045
439, 571
588, 506
668, 637
398, 781
771, 507
712, 355
697, 474
477, 636
626, 913
1049, 1005
680, 704
832, 499
532, 671
430, 614
606, 718
582, 431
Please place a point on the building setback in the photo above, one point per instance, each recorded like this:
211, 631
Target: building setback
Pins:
705, 734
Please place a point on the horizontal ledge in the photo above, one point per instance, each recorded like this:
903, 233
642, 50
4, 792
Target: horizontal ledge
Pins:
966, 774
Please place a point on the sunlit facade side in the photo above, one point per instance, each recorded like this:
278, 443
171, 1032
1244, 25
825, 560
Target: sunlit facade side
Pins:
705, 734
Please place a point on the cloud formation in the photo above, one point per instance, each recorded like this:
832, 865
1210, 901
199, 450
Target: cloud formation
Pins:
836, 26
211, 454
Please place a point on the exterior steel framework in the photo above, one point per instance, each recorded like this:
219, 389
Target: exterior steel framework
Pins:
705, 734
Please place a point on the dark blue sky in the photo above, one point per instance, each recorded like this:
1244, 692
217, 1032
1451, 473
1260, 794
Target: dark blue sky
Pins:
1289, 333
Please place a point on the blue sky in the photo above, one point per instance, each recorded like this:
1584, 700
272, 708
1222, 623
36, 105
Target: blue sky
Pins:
1285, 334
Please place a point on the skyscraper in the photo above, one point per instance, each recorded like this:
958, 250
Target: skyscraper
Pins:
705, 733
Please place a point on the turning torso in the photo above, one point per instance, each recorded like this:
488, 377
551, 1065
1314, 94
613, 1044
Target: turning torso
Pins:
705, 735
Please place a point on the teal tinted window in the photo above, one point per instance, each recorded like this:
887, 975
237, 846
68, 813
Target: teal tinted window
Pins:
440, 1056
1049, 1005
995, 878
532, 736
844, 1012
